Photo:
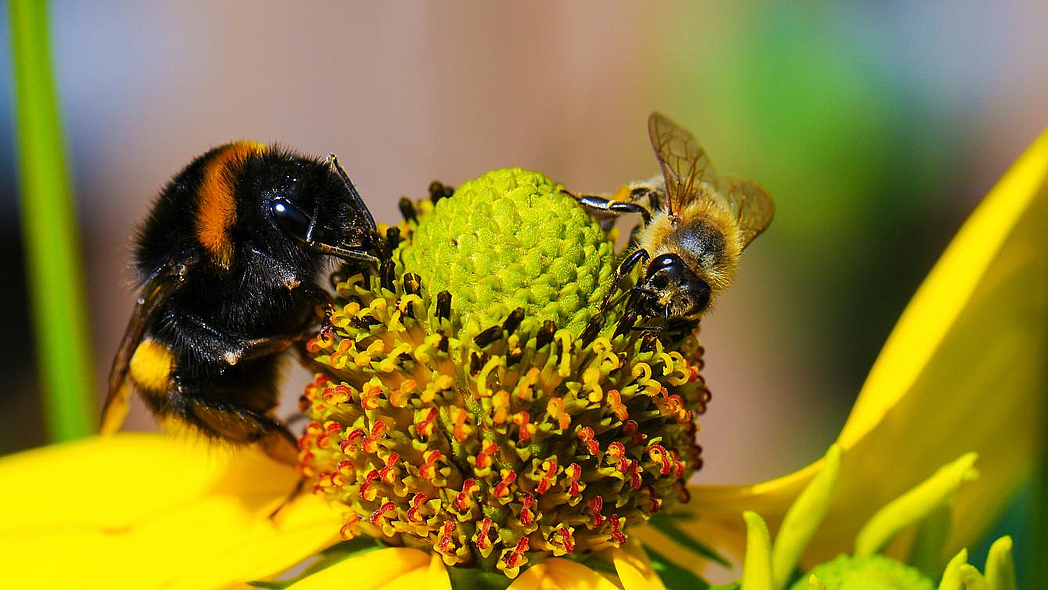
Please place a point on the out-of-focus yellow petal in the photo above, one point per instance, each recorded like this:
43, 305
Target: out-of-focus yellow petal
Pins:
756, 573
665, 545
951, 578
394, 568
804, 518
634, 568
560, 574
915, 505
1000, 567
962, 371
147, 511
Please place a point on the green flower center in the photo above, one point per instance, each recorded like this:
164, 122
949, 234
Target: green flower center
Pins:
511, 239
875, 572
497, 438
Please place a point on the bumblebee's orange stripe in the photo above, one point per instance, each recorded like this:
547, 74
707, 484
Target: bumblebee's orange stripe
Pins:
218, 209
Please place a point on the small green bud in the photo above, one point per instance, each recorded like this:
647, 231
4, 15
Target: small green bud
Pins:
875, 572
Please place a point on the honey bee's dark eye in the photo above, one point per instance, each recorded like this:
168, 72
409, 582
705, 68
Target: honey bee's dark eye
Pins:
664, 262
290, 218
701, 292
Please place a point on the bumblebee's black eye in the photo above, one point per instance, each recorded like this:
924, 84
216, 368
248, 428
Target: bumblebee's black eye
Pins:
290, 218
664, 262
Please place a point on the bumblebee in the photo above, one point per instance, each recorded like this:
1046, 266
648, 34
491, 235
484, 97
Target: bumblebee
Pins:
227, 264
694, 225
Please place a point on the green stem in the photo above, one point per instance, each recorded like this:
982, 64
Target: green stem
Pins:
49, 224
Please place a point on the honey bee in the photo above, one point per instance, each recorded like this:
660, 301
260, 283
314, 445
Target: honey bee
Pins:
694, 225
227, 261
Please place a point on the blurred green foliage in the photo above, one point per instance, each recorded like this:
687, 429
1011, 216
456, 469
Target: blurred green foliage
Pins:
803, 102
51, 233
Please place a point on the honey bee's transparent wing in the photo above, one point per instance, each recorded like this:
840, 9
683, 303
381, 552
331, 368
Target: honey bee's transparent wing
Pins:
684, 162
751, 205
154, 294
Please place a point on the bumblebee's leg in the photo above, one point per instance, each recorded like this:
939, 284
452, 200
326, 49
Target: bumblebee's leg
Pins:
196, 405
237, 425
624, 269
244, 350
216, 345
296, 492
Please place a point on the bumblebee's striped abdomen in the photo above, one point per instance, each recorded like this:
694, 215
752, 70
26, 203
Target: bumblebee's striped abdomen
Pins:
217, 207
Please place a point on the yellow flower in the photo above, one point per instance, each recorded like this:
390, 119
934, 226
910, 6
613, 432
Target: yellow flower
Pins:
141, 511
963, 371
771, 566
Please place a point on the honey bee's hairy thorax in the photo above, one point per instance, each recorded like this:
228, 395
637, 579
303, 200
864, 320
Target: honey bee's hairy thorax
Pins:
703, 235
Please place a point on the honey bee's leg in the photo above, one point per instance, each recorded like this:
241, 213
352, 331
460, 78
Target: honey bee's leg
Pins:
624, 269
616, 207
596, 323
646, 197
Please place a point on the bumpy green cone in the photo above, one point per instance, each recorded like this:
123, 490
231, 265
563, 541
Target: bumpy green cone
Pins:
875, 572
512, 238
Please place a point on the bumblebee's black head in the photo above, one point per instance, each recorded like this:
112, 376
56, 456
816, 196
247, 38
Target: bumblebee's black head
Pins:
671, 290
302, 208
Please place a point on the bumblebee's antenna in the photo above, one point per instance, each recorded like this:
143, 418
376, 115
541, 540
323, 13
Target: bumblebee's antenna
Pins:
353, 194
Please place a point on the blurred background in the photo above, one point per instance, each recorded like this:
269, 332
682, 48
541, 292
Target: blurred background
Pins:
877, 127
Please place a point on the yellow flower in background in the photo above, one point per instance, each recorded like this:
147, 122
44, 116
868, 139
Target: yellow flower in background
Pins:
963, 371
772, 566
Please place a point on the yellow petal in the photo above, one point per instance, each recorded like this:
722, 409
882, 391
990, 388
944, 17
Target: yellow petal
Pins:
395, 568
951, 578
962, 371
157, 511
756, 574
804, 517
1000, 568
681, 555
634, 568
972, 579
560, 574
914, 505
